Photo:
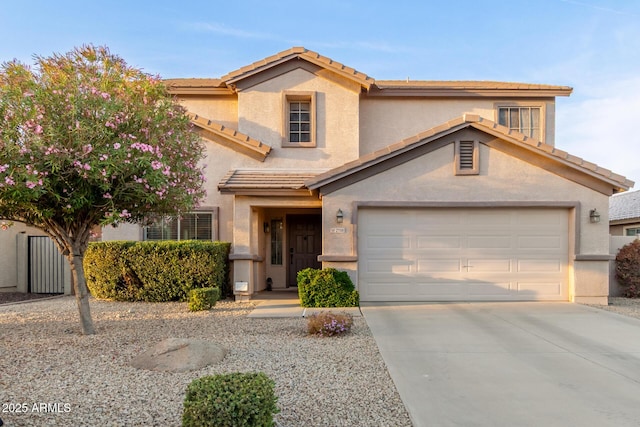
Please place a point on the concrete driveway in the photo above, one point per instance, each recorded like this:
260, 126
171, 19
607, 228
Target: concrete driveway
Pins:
510, 364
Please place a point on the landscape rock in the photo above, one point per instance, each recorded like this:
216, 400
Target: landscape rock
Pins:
179, 355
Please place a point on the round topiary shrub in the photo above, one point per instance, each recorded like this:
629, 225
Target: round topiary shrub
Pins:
230, 400
326, 288
628, 269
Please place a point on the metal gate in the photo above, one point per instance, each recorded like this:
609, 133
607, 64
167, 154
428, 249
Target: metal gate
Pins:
46, 266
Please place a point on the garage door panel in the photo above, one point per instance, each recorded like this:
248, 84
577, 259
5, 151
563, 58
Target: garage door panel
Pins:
489, 242
488, 289
552, 290
539, 242
398, 266
539, 266
489, 265
426, 266
390, 290
439, 289
388, 242
463, 254
438, 242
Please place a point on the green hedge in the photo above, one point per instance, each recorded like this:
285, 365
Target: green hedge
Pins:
230, 400
326, 288
203, 298
155, 271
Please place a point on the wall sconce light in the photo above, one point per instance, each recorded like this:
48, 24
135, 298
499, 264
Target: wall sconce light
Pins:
339, 216
265, 227
594, 216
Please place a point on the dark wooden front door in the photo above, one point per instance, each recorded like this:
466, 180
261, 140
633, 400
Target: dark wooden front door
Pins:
305, 244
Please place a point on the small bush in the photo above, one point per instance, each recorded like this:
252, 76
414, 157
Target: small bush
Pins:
230, 400
326, 324
326, 288
203, 298
628, 268
155, 271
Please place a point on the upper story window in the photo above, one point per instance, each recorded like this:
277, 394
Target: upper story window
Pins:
523, 119
190, 226
299, 119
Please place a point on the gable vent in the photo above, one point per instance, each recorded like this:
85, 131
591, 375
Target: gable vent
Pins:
466, 155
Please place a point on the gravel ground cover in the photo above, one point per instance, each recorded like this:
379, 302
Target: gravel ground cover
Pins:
57, 377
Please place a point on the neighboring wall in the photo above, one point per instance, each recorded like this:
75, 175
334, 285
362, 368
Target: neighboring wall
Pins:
13, 255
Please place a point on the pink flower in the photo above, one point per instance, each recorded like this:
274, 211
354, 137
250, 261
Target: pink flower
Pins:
30, 184
38, 130
117, 145
9, 181
156, 165
125, 214
107, 196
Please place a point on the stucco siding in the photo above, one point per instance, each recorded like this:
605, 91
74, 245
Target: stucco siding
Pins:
221, 109
337, 132
503, 181
384, 121
14, 255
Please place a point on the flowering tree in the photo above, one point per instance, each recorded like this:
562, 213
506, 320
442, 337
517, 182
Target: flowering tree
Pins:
86, 140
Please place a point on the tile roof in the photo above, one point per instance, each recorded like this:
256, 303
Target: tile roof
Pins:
266, 180
466, 88
230, 137
624, 206
197, 86
302, 53
619, 182
225, 85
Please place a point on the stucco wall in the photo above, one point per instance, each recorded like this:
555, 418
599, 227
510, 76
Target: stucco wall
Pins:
502, 178
14, 256
221, 109
384, 121
260, 111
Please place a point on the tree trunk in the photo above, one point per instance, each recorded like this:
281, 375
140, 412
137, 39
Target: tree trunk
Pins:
81, 292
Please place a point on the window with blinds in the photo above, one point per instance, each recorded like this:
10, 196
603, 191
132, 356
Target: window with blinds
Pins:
466, 158
190, 226
523, 119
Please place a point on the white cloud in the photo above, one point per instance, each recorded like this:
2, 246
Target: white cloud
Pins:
603, 128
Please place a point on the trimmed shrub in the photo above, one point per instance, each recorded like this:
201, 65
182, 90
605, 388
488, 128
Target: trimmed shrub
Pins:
155, 271
203, 298
230, 400
628, 268
326, 288
327, 324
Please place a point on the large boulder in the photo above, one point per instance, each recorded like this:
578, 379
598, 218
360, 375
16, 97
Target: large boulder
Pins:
179, 355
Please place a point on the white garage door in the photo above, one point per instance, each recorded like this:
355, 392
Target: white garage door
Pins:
462, 254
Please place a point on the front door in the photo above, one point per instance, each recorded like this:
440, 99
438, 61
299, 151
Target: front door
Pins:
305, 244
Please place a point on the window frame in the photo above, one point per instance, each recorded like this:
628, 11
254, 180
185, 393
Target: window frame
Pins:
520, 105
475, 169
213, 226
627, 229
288, 98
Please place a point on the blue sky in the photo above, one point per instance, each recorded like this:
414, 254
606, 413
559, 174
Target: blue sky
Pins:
590, 45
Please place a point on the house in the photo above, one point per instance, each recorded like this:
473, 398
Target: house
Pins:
624, 214
420, 190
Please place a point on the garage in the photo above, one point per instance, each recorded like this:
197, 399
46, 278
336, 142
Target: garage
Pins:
463, 254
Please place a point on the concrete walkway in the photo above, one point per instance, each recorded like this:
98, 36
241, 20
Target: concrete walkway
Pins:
287, 304
510, 364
